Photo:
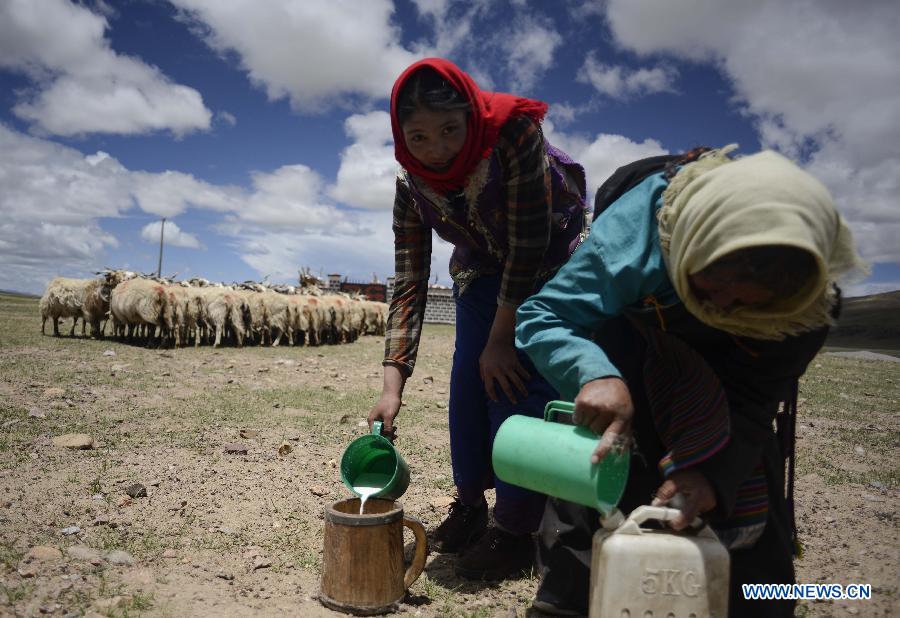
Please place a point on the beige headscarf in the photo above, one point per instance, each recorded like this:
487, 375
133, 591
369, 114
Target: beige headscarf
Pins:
718, 205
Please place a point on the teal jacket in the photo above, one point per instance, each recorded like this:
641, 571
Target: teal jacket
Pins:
613, 273
618, 266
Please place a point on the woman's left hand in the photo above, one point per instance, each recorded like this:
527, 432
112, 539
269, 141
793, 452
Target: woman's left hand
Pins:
697, 493
499, 362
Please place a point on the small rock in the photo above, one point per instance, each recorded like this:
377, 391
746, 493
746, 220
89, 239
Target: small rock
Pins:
876, 484
441, 391
261, 563
166, 374
428, 380
263, 370
362, 424
285, 449
87, 554
332, 463
318, 490
871, 498
118, 367
75, 441
70, 531
109, 353
344, 419
107, 605
859, 450
231, 380
27, 571
136, 491
442, 502
120, 557
43, 553
51, 393
248, 433
236, 448
35, 413
170, 553
225, 575
124, 501
101, 520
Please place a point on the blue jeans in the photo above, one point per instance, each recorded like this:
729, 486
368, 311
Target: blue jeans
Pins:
474, 418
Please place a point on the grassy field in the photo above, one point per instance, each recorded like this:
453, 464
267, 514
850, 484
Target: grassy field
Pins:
221, 534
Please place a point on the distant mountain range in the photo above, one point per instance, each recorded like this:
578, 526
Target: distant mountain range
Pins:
868, 323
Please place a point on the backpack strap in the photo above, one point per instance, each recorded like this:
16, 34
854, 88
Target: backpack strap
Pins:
629, 176
786, 433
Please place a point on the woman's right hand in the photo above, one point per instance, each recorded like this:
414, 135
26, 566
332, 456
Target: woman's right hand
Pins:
605, 407
387, 408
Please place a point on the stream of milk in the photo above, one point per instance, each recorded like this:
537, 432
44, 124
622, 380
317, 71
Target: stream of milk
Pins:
367, 484
364, 494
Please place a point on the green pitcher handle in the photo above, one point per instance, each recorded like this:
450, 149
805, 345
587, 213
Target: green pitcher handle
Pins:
376, 428
556, 407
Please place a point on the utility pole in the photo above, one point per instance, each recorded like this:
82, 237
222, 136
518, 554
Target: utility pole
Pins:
162, 230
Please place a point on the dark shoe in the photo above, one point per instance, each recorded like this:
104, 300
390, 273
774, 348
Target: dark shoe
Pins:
497, 555
463, 525
548, 602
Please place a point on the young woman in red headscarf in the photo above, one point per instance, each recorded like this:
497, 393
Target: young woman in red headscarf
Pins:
477, 170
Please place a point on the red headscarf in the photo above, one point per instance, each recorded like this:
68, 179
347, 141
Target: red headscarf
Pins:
490, 111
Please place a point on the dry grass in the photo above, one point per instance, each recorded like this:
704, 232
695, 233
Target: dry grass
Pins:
163, 417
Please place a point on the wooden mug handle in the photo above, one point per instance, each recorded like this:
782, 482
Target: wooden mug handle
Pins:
418, 563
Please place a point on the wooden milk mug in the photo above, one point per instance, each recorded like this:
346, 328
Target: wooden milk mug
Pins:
362, 570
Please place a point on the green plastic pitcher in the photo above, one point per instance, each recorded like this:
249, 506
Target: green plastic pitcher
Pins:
555, 459
372, 461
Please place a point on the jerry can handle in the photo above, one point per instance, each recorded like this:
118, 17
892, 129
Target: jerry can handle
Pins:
665, 514
556, 407
376, 428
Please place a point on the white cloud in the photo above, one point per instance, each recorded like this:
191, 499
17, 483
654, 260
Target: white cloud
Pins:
289, 198
529, 49
54, 198
310, 51
815, 76
601, 154
622, 83
172, 235
169, 193
81, 84
366, 178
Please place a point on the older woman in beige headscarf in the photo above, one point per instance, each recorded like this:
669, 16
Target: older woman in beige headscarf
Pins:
680, 325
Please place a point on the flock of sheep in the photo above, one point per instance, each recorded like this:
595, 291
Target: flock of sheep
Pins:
173, 313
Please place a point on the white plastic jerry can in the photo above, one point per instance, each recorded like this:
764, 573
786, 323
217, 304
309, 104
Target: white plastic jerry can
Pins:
646, 573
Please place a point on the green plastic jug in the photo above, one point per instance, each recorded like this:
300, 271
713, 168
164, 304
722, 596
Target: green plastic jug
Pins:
555, 459
372, 461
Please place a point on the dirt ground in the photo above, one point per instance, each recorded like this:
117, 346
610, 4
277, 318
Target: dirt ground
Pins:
233, 534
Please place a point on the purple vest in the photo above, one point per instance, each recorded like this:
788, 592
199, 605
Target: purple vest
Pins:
474, 220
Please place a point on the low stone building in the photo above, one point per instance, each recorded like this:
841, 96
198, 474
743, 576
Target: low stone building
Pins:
440, 308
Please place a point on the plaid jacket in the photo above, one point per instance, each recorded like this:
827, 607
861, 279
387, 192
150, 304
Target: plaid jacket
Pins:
520, 214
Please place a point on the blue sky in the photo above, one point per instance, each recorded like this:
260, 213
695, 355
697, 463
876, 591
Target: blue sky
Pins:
260, 129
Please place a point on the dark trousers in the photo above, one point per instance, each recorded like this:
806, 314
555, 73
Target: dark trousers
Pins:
566, 533
474, 418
